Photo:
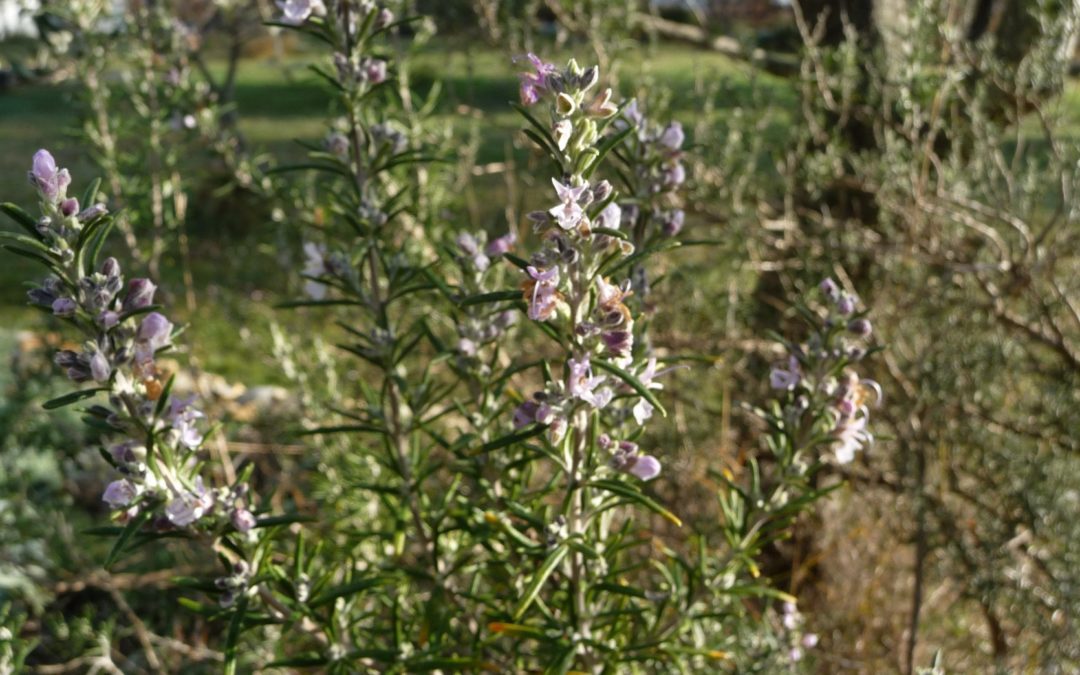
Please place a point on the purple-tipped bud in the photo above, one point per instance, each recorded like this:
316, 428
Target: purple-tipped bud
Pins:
49, 181
64, 307
846, 304
140, 294
861, 327
610, 217
100, 369
501, 245
242, 520
673, 136
675, 176
92, 212
119, 493
602, 190
107, 319
673, 223
384, 19
830, 290
154, 330
69, 207
110, 268
375, 71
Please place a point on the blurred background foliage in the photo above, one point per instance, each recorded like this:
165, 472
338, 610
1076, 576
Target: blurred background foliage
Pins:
923, 151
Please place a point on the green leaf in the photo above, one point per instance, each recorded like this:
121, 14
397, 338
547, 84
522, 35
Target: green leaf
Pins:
299, 662
29, 242
99, 240
611, 233
286, 519
292, 304
342, 429
90, 195
73, 397
494, 296
634, 383
511, 439
351, 588
128, 532
546, 570
633, 494
232, 637
22, 218
311, 166
605, 148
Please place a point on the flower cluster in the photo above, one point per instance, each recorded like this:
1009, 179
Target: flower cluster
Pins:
656, 160
820, 372
154, 437
474, 254
798, 640
566, 280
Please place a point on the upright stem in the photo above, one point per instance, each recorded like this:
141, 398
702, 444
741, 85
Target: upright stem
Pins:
920, 557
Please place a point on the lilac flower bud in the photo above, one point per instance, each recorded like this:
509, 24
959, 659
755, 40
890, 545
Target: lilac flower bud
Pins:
846, 304
384, 19
110, 268
154, 330
610, 217
107, 319
673, 136
675, 176
860, 327
646, 467
242, 520
830, 290
602, 190
50, 182
64, 307
375, 71
92, 212
119, 493
673, 223
296, 12
100, 368
69, 207
140, 294
501, 245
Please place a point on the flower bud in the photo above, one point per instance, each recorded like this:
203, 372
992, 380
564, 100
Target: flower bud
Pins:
64, 307
860, 327
242, 520
92, 212
69, 207
100, 369
673, 136
110, 268
140, 294
384, 19
830, 290
846, 304
673, 223
119, 493
154, 330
